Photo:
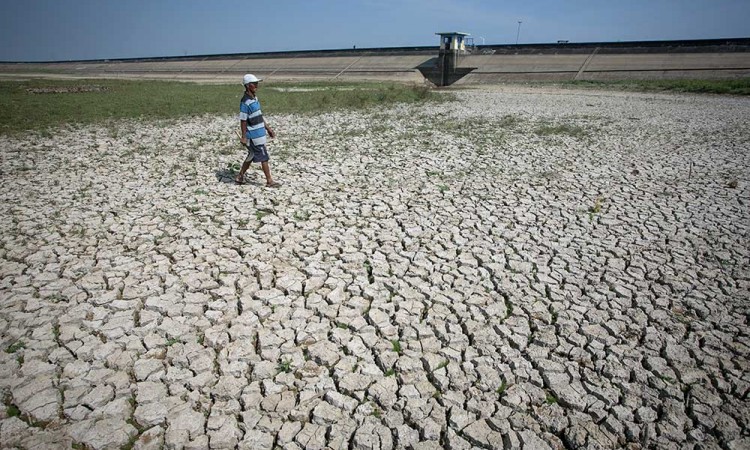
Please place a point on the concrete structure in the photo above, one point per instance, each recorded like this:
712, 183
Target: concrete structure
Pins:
446, 70
720, 58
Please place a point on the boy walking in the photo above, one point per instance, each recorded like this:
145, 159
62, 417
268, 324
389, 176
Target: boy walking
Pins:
254, 129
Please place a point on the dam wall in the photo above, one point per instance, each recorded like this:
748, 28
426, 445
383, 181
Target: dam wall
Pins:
704, 59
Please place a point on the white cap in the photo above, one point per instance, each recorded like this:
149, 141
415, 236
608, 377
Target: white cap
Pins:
250, 78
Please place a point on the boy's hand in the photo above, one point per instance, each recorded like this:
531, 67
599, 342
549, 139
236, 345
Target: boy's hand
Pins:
271, 133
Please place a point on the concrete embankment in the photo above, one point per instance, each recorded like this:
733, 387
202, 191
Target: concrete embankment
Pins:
706, 59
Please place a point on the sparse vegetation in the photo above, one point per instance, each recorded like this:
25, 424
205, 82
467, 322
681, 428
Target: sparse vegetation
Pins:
597, 208
560, 129
69, 102
502, 388
18, 345
301, 215
285, 366
12, 410
510, 121
261, 213
738, 87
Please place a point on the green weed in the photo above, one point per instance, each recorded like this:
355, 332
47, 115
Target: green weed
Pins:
18, 345
301, 215
285, 366
261, 213
12, 410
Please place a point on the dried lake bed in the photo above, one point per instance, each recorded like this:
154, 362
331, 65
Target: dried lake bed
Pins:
525, 267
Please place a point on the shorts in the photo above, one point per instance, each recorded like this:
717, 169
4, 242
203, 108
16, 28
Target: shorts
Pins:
256, 153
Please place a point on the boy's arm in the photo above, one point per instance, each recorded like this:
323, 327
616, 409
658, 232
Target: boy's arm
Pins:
243, 132
268, 129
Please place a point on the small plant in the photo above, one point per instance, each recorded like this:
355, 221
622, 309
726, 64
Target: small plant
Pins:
261, 213
171, 342
15, 347
550, 399
301, 215
285, 366
396, 346
442, 188
200, 192
441, 365
597, 208
12, 410
666, 379
390, 372
502, 388
135, 425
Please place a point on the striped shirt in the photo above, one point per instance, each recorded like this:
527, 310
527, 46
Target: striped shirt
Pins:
250, 111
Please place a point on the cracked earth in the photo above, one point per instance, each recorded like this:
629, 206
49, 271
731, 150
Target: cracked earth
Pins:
521, 268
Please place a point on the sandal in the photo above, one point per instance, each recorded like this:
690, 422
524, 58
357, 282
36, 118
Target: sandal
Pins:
275, 184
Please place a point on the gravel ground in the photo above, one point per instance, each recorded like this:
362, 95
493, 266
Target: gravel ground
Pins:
523, 268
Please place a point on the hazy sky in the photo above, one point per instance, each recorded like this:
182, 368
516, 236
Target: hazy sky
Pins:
37, 30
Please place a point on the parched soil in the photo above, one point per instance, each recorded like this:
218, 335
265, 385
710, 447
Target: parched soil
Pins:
523, 268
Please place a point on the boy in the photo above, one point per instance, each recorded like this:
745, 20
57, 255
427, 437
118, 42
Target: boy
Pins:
254, 129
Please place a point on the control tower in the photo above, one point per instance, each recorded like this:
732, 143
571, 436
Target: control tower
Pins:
452, 46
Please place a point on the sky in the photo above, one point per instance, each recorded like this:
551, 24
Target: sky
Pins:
61, 30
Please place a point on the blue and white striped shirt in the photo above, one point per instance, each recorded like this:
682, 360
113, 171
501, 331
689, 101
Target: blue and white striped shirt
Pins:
250, 111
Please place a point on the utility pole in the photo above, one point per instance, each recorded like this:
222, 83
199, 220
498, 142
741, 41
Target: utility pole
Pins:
519, 31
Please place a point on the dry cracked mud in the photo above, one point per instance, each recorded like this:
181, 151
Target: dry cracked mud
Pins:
522, 268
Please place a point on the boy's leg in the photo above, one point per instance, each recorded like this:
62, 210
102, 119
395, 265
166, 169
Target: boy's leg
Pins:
241, 176
267, 172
